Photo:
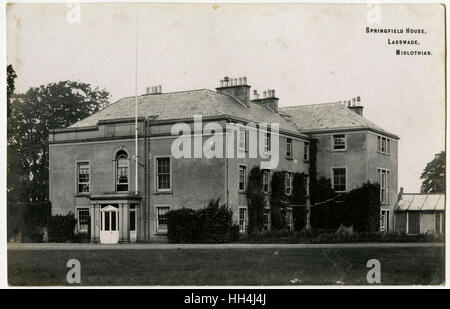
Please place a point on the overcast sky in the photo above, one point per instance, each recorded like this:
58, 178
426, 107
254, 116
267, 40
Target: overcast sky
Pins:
307, 53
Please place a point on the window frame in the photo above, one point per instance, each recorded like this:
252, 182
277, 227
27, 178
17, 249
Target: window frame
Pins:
77, 174
289, 144
245, 219
245, 177
267, 141
242, 139
387, 145
157, 189
333, 145
306, 151
346, 178
288, 179
158, 229
384, 220
116, 174
384, 192
79, 209
264, 173
266, 224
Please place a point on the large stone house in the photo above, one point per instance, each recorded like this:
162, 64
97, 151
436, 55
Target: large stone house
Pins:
93, 171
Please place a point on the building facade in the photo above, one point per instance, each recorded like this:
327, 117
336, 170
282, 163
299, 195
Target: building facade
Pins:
93, 171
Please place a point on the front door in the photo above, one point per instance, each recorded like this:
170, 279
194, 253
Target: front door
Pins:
109, 232
133, 223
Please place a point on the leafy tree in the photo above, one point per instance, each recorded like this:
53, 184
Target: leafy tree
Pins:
256, 201
434, 175
33, 114
10, 87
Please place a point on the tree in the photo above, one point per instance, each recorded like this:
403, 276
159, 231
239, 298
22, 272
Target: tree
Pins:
33, 114
256, 201
434, 175
10, 87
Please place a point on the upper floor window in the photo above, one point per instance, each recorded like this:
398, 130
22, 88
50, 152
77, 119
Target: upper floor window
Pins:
288, 183
339, 142
339, 178
289, 148
384, 176
83, 177
267, 142
306, 151
242, 139
122, 171
242, 177
265, 181
384, 145
163, 181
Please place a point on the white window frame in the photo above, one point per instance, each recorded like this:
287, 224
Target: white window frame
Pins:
346, 177
266, 225
288, 179
78, 209
242, 138
267, 141
158, 207
77, 180
245, 177
289, 147
157, 189
306, 151
333, 142
306, 177
387, 145
289, 217
244, 220
264, 174
116, 172
384, 220
384, 192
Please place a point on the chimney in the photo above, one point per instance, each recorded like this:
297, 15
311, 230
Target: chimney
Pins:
269, 99
153, 90
355, 106
237, 88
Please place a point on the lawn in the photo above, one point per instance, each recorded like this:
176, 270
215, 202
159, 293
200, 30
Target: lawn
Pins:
404, 266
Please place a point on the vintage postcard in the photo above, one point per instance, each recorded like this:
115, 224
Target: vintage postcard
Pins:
213, 144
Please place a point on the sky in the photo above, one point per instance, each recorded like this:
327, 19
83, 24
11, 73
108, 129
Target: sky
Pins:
308, 53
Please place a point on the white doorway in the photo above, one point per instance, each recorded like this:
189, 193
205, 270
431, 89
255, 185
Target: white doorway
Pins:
109, 232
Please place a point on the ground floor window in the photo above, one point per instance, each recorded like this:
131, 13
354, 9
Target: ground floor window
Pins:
384, 220
162, 219
288, 215
413, 225
266, 219
83, 219
242, 220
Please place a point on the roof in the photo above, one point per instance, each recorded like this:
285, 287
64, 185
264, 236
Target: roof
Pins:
328, 116
184, 105
420, 202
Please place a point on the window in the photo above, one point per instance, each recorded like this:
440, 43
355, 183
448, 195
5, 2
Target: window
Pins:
339, 142
384, 145
339, 179
242, 139
265, 181
306, 151
384, 181
109, 130
242, 220
132, 218
288, 183
289, 148
162, 219
267, 142
289, 218
267, 219
83, 219
83, 177
122, 168
384, 220
306, 184
242, 177
163, 173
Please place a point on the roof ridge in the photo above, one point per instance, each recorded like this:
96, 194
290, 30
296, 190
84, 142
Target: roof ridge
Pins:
294, 106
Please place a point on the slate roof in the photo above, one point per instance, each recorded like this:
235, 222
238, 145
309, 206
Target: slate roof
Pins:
420, 202
326, 116
186, 104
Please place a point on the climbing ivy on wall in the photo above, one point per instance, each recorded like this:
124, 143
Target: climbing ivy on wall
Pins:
298, 198
277, 199
256, 201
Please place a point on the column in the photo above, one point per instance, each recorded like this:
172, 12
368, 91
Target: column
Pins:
124, 230
95, 222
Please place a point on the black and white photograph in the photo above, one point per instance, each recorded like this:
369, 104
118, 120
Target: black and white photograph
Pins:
224, 144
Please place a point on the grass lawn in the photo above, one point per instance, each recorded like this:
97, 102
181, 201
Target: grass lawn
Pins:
315, 266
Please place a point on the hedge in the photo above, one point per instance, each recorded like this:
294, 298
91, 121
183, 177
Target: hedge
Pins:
61, 228
212, 224
28, 220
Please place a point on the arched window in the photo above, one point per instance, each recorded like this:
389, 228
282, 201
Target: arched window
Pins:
122, 171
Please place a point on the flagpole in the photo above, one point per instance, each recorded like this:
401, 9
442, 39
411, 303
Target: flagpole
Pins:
136, 111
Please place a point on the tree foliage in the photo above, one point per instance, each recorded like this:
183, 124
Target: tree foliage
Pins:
33, 114
10, 86
434, 175
256, 201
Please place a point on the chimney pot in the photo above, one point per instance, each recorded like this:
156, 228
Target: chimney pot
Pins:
244, 80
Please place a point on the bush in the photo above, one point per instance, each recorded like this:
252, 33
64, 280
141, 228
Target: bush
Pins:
61, 228
28, 220
212, 224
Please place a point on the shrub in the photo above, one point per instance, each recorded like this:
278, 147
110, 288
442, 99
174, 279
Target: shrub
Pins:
256, 201
212, 224
61, 228
28, 219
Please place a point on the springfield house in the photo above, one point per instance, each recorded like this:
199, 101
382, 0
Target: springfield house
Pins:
92, 169
417, 213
